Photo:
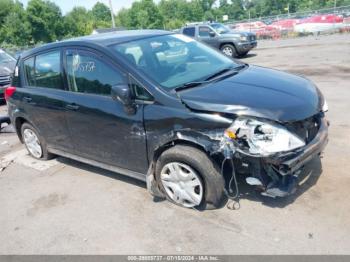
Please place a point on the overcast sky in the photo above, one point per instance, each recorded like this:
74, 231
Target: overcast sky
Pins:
67, 5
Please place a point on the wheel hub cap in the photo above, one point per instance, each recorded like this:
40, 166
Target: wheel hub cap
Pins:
32, 142
182, 184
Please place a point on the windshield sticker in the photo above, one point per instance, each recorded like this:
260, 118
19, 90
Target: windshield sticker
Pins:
85, 67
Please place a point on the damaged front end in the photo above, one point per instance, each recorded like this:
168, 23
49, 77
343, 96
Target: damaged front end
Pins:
274, 154
269, 153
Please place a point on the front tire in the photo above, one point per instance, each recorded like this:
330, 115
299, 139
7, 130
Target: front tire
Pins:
34, 143
229, 50
188, 178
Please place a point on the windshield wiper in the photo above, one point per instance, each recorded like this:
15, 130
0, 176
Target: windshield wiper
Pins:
191, 84
211, 78
225, 70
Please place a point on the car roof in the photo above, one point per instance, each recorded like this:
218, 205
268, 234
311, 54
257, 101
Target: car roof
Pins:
104, 39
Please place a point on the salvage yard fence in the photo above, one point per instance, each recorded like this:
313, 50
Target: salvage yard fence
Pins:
322, 21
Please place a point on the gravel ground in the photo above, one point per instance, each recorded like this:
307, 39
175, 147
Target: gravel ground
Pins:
65, 207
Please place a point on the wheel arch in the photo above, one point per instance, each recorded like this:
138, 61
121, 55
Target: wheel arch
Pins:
228, 43
187, 142
19, 121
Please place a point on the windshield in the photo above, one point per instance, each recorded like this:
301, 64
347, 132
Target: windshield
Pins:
174, 60
220, 28
4, 58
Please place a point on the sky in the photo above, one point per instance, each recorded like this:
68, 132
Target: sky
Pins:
67, 5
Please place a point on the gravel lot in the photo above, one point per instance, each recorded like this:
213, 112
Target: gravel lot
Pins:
65, 207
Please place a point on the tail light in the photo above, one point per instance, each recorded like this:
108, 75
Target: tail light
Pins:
9, 92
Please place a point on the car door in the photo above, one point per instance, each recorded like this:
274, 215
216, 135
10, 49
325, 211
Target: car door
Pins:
100, 128
42, 98
207, 35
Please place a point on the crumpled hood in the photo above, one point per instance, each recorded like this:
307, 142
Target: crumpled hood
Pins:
7, 68
260, 92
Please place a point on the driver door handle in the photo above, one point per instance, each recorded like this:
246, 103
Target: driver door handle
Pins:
73, 107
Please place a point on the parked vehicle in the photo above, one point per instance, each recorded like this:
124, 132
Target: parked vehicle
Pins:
319, 23
231, 43
171, 111
7, 65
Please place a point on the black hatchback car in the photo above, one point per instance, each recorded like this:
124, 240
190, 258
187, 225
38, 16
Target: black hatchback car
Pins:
168, 110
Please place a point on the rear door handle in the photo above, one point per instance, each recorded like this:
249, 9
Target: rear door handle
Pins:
73, 107
27, 99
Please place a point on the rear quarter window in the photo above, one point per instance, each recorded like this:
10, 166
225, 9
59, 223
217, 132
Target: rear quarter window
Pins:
44, 70
29, 71
189, 31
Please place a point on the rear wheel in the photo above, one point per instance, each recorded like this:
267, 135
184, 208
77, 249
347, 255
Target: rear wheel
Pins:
34, 143
188, 178
229, 50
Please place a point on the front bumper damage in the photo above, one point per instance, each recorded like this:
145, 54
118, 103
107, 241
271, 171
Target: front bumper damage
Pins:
274, 176
278, 174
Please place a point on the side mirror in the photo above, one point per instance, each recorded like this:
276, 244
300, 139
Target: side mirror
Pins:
122, 93
212, 34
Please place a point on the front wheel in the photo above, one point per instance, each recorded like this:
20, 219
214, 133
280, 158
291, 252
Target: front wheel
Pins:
188, 178
229, 50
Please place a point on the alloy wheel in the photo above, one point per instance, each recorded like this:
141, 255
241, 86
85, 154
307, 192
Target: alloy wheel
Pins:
227, 51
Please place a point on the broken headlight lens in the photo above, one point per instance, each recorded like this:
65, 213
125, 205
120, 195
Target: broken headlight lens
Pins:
262, 138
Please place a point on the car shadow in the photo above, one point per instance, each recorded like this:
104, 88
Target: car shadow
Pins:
100, 171
307, 179
249, 55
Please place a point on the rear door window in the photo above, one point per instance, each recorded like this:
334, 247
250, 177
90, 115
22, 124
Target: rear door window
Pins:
189, 31
87, 73
44, 70
48, 70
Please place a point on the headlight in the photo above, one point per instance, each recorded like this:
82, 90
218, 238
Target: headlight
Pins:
243, 38
262, 138
325, 106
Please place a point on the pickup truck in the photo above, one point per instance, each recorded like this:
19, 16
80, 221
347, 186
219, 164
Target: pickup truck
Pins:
231, 43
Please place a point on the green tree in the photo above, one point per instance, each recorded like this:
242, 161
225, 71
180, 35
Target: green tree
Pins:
46, 21
6, 6
142, 14
101, 15
16, 29
78, 22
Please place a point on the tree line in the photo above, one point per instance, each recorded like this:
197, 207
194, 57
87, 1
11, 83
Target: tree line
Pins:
42, 21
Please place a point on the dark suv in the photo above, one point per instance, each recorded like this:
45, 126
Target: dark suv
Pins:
168, 110
7, 64
231, 43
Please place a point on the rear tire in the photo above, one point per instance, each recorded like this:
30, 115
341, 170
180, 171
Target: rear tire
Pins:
34, 143
229, 50
204, 174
